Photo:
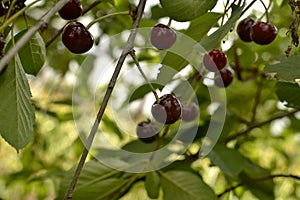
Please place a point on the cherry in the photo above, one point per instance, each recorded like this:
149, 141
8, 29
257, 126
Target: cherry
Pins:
224, 78
71, 10
77, 38
3, 9
168, 110
162, 36
189, 111
244, 29
263, 33
19, 4
215, 60
2, 42
147, 131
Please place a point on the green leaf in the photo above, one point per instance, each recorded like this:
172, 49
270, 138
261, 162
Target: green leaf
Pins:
179, 185
261, 189
186, 10
152, 184
16, 111
96, 181
289, 92
215, 38
286, 69
206, 22
33, 54
230, 161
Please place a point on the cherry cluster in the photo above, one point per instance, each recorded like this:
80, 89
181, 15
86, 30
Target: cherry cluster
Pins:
168, 109
17, 6
262, 33
215, 61
76, 37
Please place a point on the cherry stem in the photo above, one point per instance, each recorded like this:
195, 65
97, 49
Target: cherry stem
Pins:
169, 22
163, 133
30, 32
247, 8
266, 9
15, 16
193, 94
10, 9
107, 16
132, 53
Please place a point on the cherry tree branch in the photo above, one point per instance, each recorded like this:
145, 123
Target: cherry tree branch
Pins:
30, 33
257, 125
87, 9
254, 180
110, 87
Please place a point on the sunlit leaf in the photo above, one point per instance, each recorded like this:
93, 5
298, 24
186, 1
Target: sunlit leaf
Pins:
230, 161
289, 93
286, 69
261, 189
178, 185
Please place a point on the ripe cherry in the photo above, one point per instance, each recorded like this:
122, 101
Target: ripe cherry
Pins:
244, 29
263, 33
71, 10
224, 78
147, 131
189, 111
168, 110
3, 9
77, 38
215, 60
19, 4
162, 36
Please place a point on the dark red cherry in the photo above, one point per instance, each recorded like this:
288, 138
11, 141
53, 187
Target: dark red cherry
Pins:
168, 110
189, 111
215, 60
244, 28
162, 36
263, 33
147, 131
3, 9
71, 10
77, 38
224, 78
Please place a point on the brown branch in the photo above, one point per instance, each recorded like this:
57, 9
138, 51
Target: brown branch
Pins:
110, 87
256, 100
257, 125
87, 9
263, 178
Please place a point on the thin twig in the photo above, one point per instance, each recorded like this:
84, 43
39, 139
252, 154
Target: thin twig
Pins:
263, 178
257, 125
30, 33
110, 87
132, 53
256, 100
51, 40
249, 6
